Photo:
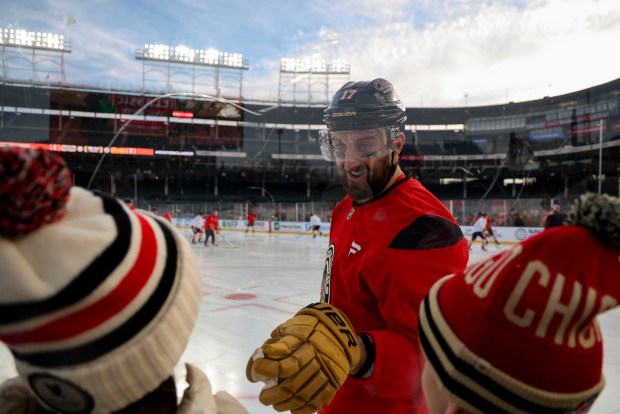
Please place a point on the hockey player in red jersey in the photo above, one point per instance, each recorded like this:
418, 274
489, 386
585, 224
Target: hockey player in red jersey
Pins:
357, 351
212, 226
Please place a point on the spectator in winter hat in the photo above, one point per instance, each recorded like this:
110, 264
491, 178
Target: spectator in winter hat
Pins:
97, 301
518, 332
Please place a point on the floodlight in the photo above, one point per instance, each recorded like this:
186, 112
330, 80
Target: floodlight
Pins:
183, 54
21, 38
311, 65
339, 66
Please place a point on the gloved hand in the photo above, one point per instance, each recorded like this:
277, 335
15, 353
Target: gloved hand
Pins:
306, 360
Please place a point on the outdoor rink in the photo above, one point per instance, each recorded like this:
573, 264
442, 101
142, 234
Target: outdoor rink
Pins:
253, 282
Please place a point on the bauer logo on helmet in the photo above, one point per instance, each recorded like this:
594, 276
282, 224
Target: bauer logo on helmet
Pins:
348, 113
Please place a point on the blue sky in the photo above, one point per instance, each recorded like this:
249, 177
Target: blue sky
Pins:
436, 52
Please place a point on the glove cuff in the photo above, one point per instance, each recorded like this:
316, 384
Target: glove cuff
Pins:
369, 345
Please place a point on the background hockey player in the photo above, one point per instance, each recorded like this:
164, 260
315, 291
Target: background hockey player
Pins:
197, 228
168, 216
251, 220
357, 351
212, 226
315, 225
478, 231
488, 231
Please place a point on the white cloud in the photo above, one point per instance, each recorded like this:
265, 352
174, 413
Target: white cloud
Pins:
495, 53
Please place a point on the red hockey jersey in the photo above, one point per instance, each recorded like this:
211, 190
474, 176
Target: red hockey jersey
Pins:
382, 259
212, 223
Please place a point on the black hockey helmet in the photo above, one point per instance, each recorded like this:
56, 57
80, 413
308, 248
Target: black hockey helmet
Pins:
365, 105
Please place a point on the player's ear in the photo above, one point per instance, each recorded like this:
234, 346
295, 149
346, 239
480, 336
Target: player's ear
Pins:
398, 142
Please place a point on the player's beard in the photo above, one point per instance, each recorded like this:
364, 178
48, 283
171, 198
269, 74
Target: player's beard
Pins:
375, 181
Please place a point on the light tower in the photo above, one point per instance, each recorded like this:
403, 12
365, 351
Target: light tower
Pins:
40, 56
186, 68
298, 78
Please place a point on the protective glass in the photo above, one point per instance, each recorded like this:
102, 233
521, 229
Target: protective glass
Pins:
333, 151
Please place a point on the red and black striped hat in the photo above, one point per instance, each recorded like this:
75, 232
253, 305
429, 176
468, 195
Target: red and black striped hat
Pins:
97, 301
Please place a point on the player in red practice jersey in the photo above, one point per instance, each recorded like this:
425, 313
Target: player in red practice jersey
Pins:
212, 225
168, 216
488, 230
251, 220
390, 240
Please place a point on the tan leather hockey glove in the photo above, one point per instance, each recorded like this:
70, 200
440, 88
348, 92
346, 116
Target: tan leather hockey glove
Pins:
306, 359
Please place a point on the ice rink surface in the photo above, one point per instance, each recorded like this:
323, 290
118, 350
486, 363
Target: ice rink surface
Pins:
253, 282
